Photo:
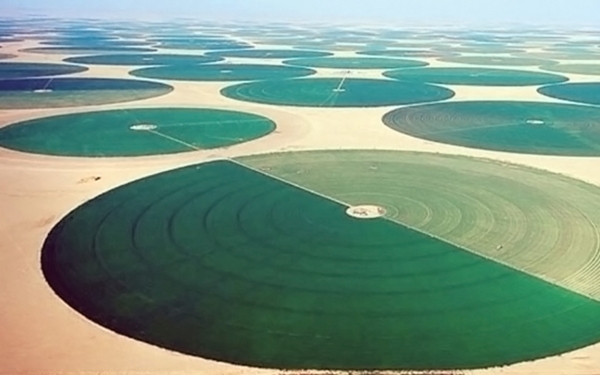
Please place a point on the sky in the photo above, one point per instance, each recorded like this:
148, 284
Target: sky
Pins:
389, 12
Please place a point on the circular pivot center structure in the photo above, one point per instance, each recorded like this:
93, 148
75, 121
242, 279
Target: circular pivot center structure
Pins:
366, 211
141, 127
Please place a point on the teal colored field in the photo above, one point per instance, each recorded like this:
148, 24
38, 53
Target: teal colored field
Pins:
410, 52
586, 69
497, 60
269, 53
25, 70
566, 55
87, 50
580, 92
356, 63
222, 72
134, 132
512, 126
51, 92
221, 261
336, 92
475, 76
132, 59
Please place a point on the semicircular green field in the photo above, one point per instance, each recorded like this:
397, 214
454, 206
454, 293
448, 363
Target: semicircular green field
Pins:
131, 59
573, 55
86, 50
134, 132
356, 63
222, 72
586, 69
404, 53
510, 126
336, 92
269, 53
496, 60
233, 263
58, 92
580, 92
83, 43
24, 70
475, 76
201, 44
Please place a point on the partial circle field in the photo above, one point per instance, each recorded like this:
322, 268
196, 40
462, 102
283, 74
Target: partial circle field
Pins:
510, 126
336, 92
134, 132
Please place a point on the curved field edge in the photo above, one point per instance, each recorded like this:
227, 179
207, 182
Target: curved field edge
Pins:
536, 221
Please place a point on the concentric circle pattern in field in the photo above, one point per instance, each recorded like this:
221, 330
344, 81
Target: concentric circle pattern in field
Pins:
71, 92
404, 53
269, 53
496, 60
512, 126
201, 44
134, 132
475, 76
336, 92
24, 70
580, 92
131, 59
86, 51
356, 63
222, 72
224, 262
586, 69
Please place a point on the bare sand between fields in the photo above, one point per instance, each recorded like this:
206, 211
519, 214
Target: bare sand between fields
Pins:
42, 335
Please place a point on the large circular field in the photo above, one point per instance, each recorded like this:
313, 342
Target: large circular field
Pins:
475, 76
256, 262
72, 92
410, 52
134, 132
496, 60
65, 50
356, 63
336, 92
513, 126
24, 70
586, 69
222, 72
581, 92
269, 53
132, 59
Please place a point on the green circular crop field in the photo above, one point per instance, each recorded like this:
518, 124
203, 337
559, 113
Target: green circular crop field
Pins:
581, 92
269, 53
356, 63
222, 72
405, 53
134, 132
72, 92
586, 69
512, 126
336, 92
497, 60
65, 50
255, 262
572, 55
475, 76
26, 70
133, 59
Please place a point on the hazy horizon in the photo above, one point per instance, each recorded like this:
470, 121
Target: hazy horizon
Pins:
573, 13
